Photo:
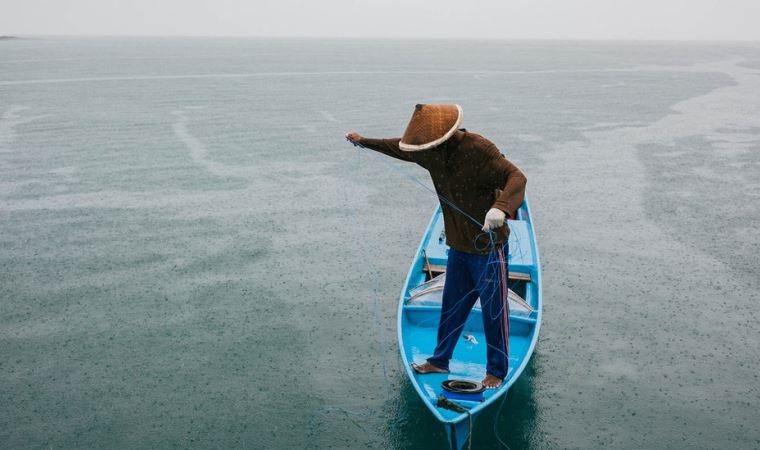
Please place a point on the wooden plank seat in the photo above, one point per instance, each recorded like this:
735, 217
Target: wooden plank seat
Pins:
438, 269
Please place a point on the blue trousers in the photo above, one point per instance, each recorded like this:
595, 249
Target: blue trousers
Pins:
468, 277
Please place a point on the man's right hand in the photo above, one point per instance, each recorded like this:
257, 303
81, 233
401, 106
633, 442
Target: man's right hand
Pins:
354, 137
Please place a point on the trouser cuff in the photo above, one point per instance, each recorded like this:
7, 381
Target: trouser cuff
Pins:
438, 363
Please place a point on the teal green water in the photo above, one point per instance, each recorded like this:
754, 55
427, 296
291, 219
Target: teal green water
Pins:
191, 255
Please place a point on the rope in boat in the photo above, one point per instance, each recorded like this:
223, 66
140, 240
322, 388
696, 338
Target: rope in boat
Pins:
463, 386
445, 403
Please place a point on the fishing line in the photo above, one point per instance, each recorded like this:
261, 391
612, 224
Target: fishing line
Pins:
350, 414
418, 182
491, 260
490, 235
496, 421
376, 281
484, 275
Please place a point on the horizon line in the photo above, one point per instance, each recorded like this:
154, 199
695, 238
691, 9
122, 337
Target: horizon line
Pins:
387, 38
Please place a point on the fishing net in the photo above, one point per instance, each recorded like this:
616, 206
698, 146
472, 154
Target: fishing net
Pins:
430, 293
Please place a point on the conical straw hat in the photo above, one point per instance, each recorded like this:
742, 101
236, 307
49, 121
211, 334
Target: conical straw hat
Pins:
431, 125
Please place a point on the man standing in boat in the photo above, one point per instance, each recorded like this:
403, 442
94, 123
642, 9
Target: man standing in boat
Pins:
474, 182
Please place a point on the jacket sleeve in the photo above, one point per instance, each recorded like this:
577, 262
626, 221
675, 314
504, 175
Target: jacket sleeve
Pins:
386, 146
502, 174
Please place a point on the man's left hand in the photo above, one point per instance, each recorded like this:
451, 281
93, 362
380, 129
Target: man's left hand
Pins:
494, 219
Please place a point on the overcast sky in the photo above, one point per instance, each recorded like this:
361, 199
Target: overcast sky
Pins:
524, 19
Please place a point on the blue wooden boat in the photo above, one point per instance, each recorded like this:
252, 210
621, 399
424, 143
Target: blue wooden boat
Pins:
418, 324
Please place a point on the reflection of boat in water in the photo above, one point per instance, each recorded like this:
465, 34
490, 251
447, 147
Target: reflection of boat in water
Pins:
419, 312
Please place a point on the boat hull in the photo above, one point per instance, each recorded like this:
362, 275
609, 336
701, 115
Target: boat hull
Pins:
418, 325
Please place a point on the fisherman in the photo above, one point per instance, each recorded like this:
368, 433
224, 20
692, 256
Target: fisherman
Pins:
474, 182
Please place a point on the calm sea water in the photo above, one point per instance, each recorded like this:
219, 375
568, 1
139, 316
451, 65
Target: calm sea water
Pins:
191, 255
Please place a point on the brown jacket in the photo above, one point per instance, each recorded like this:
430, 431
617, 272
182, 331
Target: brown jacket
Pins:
469, 171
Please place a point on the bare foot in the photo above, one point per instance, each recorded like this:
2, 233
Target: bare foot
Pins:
491, 382
427, 368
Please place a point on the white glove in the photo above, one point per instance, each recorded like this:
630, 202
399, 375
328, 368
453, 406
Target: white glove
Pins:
494, 219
